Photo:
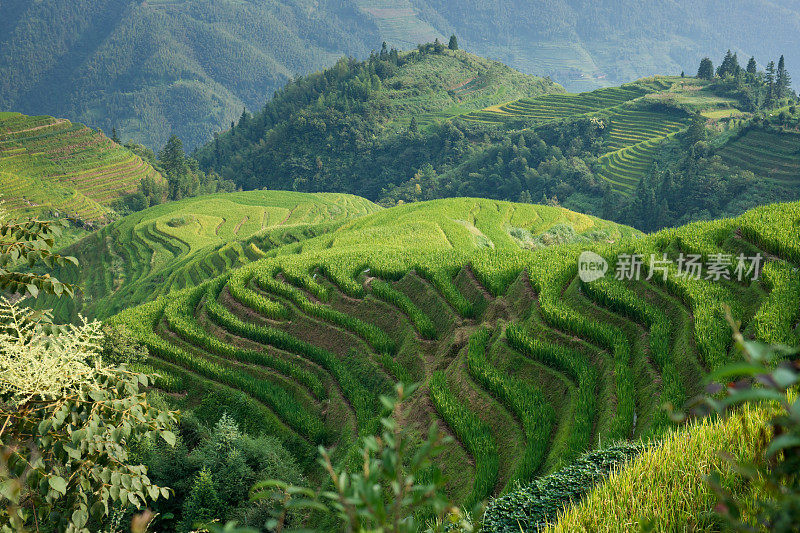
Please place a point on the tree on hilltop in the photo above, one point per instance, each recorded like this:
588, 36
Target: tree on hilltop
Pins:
782, 80
729, 66
706, 70
453, 45
752, 68
770, 80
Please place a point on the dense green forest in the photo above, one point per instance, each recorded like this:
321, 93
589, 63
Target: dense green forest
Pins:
162, 67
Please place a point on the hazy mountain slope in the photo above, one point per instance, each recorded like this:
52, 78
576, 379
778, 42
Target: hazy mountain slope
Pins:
160, 67
188, 67
585, 44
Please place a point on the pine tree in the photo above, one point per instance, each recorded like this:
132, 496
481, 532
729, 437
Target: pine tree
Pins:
724, 67
244, 119
172, 158
706, 70
453, 43
414, 127
730, 65
770, 80
114, 136
752, 68
203, 504
782, 80
384, 51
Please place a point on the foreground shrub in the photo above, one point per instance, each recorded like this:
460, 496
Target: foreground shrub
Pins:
67, 424
531, 507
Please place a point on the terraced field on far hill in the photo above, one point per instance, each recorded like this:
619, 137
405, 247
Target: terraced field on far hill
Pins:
549, 107
49, 164
180, 244
523, 363
635, 125
769, 155
633, 137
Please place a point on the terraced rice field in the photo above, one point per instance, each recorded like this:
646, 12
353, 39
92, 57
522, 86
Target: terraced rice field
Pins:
633, 137
50, 164
522, 363
634, 129
546, 108
180, 244
769, 155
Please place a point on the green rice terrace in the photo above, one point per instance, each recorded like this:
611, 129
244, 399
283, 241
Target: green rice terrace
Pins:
525, 365
180, 244
771, 156
54, 165
635, 125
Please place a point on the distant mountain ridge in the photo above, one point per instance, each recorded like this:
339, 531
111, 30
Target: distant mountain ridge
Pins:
157, 67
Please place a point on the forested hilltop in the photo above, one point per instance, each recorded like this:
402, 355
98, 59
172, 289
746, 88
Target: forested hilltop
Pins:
162, 67
359, 126
657, 152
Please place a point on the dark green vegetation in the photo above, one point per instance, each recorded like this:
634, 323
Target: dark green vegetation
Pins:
50, 165
363, 126
188, 67
526, 366
537, 504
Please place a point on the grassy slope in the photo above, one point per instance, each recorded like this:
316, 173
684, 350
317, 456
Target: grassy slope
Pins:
177, 244
455, 82
634, 125
54, 165
400, 294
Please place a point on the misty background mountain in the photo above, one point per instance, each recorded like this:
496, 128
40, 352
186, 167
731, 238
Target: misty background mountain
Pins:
154, 68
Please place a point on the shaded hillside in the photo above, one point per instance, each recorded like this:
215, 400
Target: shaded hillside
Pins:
159, 67
50, 165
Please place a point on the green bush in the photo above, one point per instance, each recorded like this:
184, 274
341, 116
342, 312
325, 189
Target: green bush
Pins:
531, 507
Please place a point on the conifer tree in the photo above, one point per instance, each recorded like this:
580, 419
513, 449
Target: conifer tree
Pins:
770, 80
782, 80
706, 70
453, 43
752, 68
114, 136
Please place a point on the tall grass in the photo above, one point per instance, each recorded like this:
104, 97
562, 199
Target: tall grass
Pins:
665, 488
